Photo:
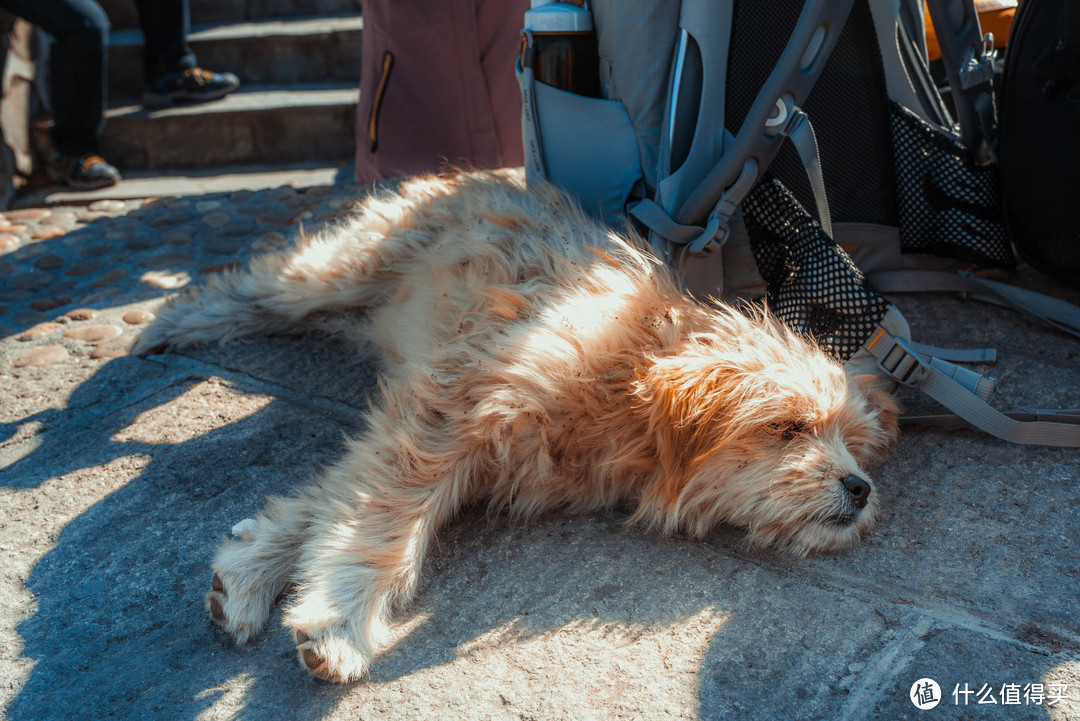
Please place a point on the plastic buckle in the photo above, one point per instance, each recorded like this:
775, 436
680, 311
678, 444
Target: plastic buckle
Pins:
978, 70
784, 118
901, 363
712, 238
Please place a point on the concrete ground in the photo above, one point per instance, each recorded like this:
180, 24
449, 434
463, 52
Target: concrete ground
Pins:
118, 475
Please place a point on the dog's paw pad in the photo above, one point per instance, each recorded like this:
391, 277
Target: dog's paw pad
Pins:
329, 656
312, 660
216, 611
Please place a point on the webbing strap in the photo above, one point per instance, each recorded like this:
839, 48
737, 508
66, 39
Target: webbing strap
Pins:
1057, 313
801, 134
956, 355
715, 232
953, 422
903, 364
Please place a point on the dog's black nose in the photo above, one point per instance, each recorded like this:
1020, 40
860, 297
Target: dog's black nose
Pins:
858, 488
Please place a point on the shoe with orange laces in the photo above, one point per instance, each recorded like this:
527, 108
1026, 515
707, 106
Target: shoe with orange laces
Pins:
195, 85
82, 172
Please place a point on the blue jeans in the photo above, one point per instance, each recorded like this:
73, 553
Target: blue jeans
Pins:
77, 62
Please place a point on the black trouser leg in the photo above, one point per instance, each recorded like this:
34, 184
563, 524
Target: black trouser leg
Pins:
77, 67
165, 26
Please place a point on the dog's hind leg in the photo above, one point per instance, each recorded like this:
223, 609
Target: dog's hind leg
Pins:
252, 572
365, 554
355, 264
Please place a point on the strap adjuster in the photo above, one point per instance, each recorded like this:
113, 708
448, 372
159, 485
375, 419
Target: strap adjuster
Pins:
898, 359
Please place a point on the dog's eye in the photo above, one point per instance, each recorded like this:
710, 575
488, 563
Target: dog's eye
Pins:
788, 430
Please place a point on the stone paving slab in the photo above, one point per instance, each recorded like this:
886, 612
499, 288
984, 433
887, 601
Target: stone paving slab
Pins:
118, 475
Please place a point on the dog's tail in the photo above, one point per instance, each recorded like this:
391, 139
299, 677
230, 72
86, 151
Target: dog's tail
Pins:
352, 265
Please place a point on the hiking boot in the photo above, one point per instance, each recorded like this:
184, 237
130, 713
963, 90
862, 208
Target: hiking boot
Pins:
82, 172
189, 86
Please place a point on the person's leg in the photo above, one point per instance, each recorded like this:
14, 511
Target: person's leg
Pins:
77, 72
170, 71
76, 67
165, 25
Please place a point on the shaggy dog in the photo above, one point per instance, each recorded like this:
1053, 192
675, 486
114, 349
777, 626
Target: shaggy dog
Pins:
532, 360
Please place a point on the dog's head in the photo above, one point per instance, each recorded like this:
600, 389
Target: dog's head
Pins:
756, 427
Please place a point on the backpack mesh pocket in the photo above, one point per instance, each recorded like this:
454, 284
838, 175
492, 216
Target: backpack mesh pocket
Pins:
948, 206
812, 284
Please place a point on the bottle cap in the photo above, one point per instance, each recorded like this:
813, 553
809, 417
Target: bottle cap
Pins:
547, 16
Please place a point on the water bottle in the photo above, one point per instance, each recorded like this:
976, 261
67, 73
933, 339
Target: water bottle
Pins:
559, 44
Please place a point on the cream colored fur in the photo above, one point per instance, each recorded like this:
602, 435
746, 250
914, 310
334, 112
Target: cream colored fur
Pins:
536, 361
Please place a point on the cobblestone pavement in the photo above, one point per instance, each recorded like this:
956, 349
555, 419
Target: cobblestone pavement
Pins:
119, 474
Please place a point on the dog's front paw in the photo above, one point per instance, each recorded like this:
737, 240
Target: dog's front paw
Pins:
241, 612
330, 654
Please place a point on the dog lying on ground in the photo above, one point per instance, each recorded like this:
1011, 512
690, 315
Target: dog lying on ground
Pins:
532, 360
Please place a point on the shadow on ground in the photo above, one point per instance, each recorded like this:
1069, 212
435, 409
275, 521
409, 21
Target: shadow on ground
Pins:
117, 478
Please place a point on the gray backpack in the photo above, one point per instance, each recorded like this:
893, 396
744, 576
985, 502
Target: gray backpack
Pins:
885, 193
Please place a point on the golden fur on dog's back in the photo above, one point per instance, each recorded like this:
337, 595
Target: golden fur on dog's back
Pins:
536, 360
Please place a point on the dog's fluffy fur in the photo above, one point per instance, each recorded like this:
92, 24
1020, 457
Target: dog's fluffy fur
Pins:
533, 360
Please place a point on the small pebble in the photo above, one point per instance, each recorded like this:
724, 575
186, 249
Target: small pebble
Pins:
107, 206
8, 241
30, 251
89, 216
237, 227
216, 219
24, 214
81, 314
138, 317
81, 269
61, 217
205, 206
95, 333
166, 281
34, 280
38, 331
47, 232
281, 216
113, 349
179, 236
7, 267
50, 303
109, 278
43, 355
52, 261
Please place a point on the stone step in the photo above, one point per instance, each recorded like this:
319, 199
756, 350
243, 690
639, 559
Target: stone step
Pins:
122, 13
260, 52
257, 124
156, 183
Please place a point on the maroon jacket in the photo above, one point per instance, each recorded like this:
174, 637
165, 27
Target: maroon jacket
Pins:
437, 86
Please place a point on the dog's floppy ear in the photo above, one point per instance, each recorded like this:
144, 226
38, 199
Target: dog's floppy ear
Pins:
683, 399
884, 404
